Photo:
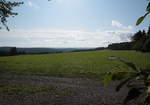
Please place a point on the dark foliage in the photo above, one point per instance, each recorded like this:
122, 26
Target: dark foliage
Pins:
4, 53
133, 93
140, 42
9, 52
121, 46
137, 36
137, 80
6, 10
13, 51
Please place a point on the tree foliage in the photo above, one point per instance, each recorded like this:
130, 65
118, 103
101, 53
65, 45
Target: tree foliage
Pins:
13, 51
121, 46
140, 41
137, 80
6, 10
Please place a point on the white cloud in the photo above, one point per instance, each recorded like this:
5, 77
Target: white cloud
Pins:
66, 38
30, 3
62, 38
117, 24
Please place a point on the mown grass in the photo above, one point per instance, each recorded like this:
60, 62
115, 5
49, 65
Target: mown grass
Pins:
76, 64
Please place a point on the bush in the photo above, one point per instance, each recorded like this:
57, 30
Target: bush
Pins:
137, 80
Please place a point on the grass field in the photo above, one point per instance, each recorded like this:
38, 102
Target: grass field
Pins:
76, 64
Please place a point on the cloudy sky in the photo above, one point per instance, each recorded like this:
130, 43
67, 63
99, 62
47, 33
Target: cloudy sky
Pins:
73, 23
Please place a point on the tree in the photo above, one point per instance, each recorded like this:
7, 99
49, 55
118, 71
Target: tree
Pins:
13, 51
137, 36
146, 46
138, 40
6, 10
148, 32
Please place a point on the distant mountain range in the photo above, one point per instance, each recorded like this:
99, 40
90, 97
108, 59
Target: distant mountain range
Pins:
49, 50
46, 50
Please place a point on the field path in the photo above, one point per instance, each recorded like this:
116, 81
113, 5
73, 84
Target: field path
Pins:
76, 91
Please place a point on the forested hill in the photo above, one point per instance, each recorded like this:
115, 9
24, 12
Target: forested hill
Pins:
14, 50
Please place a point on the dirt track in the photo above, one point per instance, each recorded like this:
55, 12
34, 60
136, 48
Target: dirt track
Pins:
81, 91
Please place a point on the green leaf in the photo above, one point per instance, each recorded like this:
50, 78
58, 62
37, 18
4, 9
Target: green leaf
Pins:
148, 7
120, 75
130, 64
140, 20
127, 76
122, 84
107, 79
146, 71
132, 94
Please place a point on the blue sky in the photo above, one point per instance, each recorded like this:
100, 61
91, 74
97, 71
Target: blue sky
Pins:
73, 23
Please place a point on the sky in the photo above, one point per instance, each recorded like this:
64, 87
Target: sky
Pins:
73, 23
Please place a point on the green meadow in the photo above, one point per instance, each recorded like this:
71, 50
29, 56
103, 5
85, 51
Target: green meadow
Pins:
90, 64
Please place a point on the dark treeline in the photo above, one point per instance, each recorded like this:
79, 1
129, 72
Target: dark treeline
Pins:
140, 41
121, 46
10, 51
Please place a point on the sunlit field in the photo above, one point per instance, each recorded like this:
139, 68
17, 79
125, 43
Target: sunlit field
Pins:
76, 64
